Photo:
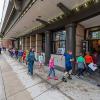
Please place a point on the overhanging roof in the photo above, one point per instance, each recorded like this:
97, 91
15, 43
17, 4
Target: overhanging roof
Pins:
45, 10
95, 21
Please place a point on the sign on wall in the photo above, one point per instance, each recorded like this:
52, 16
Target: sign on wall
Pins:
60, 50
59, 60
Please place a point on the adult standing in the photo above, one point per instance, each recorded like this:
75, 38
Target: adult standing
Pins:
30, 61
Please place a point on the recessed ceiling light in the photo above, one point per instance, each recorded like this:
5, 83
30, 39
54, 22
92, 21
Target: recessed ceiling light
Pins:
85, 4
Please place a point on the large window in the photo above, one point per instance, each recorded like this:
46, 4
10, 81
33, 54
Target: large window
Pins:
96, 35
58, 40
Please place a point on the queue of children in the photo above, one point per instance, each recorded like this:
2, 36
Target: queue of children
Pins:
28, 57
18, 54
86, 64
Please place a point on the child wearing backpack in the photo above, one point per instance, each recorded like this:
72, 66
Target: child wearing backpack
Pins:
81, 65
51, 69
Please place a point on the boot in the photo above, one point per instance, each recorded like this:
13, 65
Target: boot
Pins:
64, 79
69, 77
49, 77
55, 78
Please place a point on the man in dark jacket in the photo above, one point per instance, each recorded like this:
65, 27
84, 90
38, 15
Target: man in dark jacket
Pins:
30, 60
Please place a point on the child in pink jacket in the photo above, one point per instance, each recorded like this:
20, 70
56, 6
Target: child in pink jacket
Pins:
51, 68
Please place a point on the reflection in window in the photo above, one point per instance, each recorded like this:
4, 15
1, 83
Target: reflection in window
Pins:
58, 40
96, 35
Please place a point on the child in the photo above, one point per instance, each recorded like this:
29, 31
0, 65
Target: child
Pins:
41, 61
81, 64
24, 56
51, 68
88, 60
20, 54
68, 65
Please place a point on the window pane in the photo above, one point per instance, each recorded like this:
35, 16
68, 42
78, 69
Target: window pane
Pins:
57, 37
96, 35
62, 44
58, 40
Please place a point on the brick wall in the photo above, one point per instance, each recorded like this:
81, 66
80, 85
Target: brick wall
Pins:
33, 41
79, 37
28, 43
7, 43
39, 43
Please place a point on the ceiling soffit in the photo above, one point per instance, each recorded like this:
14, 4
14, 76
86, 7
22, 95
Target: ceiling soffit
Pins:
45, 10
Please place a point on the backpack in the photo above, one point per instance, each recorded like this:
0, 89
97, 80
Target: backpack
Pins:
31, 57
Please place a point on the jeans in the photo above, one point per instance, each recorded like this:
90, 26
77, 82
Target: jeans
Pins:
19, 58
80, 71
30, 67
52, 70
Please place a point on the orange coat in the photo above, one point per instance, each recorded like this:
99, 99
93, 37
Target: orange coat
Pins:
88, 59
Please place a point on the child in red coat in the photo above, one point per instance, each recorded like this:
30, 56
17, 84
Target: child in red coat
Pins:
24, 56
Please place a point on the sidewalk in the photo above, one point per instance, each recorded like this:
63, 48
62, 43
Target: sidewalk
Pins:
19, 85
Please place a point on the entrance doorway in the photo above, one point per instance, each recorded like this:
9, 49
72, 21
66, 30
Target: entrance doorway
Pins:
94, 42
95, 46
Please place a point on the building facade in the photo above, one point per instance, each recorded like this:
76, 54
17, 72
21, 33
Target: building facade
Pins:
52, 28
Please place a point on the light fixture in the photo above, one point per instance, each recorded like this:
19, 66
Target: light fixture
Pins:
24, 12
97, 1
55, 18
77, 9
22, 15
27, 9
61, 16
30, 6
86, 5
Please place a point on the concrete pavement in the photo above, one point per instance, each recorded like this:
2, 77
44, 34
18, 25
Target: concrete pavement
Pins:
19, 85
2, 88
